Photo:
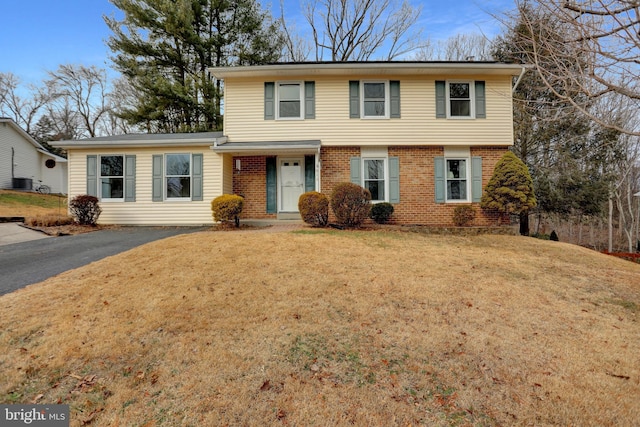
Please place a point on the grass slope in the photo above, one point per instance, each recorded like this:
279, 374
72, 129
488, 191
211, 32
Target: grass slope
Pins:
331, 328
24, 204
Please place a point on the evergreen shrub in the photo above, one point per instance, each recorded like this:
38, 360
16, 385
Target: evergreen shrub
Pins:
227, 208
350, 204
463, 215
85, 209
314, 208
381, 212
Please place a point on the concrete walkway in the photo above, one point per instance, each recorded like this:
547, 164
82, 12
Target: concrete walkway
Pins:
11, 232
273, 226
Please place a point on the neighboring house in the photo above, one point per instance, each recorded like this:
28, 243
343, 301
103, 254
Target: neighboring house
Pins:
24, 163
424, 136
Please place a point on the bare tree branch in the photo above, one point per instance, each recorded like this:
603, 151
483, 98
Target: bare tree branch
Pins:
360, 30
604, 36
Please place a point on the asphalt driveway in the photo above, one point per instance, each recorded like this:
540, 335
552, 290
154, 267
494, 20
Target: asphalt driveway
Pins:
33, 261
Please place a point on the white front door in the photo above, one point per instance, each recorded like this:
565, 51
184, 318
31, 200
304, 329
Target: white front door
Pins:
291, 183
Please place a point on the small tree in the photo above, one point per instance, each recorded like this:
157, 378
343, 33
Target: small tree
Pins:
227, 208
350, 204
510, 189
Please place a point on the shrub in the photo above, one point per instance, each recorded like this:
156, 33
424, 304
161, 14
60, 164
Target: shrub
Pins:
350, 204
227, 207
48, 221
314, 208
381, 212
463, 215
553, 236
85, 209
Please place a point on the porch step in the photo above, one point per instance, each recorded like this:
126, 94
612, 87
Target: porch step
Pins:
289, 216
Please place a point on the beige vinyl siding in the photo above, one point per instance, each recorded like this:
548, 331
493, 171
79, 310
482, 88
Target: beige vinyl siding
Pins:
227, 179
144, 211
244, 115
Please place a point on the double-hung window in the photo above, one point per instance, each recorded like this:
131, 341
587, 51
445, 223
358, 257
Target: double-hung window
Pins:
460, 99
290, 104
178, 176
111, 177
459, 104
374, 178
375, 99
457, 181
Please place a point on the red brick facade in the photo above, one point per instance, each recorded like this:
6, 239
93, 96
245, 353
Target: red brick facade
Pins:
250, 182
417, 187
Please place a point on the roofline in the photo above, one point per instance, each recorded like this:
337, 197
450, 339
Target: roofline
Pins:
371, 68
204, 139
53, 156
268, 146
22, 132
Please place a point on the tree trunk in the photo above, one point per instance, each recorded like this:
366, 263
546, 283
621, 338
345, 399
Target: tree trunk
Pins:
610, 224
524, 223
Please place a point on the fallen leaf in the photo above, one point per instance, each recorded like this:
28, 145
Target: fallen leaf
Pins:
265, 386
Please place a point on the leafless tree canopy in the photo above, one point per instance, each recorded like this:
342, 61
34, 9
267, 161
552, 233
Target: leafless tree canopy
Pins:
79, 94
602, 33
461, 47
360, 30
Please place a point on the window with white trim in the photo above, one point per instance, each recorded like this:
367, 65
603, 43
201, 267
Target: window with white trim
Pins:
290, 98
375, 99
178, 176
457, 181
374, 173
111, 177
459, 99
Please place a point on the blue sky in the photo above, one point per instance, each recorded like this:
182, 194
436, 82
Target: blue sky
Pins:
39, 35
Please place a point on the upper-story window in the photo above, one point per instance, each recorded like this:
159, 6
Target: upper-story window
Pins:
460, 99
290, 105
457, 99
289, 100
112, 177
374, 99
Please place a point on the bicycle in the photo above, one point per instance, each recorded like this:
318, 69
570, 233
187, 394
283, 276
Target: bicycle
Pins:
42, 188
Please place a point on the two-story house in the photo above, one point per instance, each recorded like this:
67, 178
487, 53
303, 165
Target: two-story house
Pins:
424, 136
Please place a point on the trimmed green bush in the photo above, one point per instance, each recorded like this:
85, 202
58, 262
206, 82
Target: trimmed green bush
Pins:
85, 209
381, 212
350, 204
314, 208
227, 208
463, 215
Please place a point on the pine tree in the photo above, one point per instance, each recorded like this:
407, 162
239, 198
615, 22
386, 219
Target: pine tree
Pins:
510, 189
164, 47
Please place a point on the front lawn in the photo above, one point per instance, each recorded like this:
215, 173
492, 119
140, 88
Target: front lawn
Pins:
27, 204
331, 328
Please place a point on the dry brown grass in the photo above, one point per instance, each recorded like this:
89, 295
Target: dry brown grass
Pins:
331, 328
27, 204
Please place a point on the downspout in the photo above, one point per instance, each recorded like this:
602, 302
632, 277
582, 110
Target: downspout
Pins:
13, 174
515, 86
318, 170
